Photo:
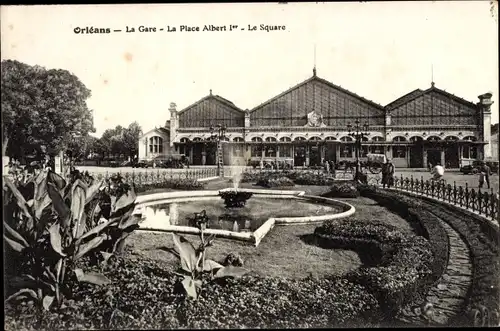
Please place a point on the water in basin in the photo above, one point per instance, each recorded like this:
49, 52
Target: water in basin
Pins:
248, 218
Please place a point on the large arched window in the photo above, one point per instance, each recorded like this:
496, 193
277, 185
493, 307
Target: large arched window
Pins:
469, 151
346, 149
285, 149
377, 149
399, 151
256, 148
238, 148
156, 144
270, 147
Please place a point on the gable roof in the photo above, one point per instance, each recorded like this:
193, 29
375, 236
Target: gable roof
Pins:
214, 97
160, 129
417, 93
401, 100
324, 81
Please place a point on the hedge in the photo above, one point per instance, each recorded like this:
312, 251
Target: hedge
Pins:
405, 260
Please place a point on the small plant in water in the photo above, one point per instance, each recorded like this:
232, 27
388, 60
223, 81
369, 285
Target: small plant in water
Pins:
195, 269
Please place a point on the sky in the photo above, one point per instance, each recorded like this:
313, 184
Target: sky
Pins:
378, 50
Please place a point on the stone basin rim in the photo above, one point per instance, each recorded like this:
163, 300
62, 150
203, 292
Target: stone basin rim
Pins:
253, 237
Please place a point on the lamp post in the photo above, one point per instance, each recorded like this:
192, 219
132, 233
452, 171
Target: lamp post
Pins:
217, 134
358, 132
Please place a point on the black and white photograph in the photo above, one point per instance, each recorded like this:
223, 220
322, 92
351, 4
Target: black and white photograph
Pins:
272, 165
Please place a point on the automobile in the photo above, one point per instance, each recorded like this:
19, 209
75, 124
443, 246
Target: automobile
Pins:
114, 164
126, 164
140, 164
474, 167
493, 166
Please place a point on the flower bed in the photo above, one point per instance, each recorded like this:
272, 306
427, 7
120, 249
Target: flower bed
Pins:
297, 177
345, 190
174, 183
404, 265
143, 295
275, 182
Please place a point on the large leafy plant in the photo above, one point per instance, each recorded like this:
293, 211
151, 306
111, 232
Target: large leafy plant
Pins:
46, 232
195, 269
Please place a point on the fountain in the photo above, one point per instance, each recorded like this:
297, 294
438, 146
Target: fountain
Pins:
234, 198
234, 212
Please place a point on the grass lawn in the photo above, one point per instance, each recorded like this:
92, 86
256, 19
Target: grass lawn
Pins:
284, 251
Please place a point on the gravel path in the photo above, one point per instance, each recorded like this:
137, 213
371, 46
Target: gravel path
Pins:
448, 296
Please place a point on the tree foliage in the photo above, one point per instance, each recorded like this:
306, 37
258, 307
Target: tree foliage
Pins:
41, 107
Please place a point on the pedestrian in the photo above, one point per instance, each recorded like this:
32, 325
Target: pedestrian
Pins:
437, 172
327, 167
391, 170
385, 173
333, 168
487, 173
481, 177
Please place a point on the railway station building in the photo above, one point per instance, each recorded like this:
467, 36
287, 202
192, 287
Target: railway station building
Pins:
309, 122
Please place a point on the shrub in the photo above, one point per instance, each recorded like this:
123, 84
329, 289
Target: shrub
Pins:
175, 183
404, 264
347, 190
275, 182
46, 234
254, 302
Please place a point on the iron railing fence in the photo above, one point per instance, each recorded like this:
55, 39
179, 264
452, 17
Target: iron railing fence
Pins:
154, 176
481, 202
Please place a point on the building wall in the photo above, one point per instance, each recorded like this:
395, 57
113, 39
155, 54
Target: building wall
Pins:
144, 148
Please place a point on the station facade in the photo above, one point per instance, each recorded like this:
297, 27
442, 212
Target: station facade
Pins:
309, 123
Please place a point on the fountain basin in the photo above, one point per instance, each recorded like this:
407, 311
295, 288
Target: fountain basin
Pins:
290, 207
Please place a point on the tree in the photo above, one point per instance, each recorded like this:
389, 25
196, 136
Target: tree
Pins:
41, 107
131, 137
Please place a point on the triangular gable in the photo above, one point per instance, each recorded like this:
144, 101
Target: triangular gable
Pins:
417, 93
327, 83
215, 98
162, 130
405, 98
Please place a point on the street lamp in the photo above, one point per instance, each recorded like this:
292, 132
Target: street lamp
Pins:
217, 134
358, 132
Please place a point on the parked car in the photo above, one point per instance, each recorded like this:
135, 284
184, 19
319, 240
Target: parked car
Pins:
114, 164
140, 164
126, 164
474, 167
493, 166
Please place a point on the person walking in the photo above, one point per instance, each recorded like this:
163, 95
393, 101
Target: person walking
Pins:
484, 175
387, 173
487, 173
